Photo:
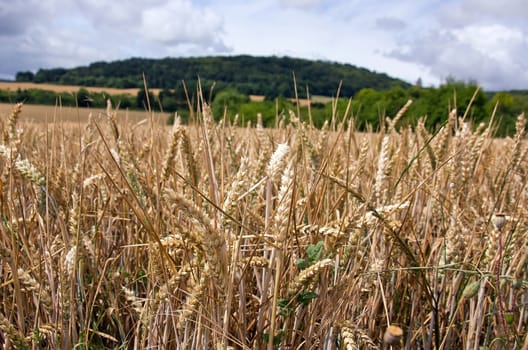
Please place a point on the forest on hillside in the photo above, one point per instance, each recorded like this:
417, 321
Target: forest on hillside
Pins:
268, 76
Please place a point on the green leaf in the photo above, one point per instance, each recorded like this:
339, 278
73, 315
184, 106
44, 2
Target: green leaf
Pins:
283, 302
306, 298
302, 264
284, 308
276, 339
314, 252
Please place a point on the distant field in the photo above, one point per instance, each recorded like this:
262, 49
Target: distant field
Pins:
68, 88
303, 101
13, 86
39, 113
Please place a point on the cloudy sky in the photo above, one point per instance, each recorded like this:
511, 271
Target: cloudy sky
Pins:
481, 40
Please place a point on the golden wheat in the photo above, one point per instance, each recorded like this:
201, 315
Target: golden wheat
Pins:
210, 235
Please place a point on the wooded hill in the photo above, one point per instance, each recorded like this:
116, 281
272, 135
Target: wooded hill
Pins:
268, 76
373, 95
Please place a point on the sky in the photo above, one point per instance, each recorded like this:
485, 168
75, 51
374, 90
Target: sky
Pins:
472, 40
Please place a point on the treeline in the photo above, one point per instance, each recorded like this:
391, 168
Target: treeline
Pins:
368, 106
81, 98
268, 76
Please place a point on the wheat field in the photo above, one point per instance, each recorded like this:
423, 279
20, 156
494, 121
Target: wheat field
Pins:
40, 114
135, 235
15, 85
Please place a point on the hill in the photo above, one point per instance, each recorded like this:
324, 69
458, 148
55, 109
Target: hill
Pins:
269, 76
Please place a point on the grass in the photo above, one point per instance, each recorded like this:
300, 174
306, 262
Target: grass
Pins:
120, 233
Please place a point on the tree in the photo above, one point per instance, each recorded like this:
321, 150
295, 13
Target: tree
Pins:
25, 76
508, 108
142, 102
230, 98
83, 98
49, 75
369, 108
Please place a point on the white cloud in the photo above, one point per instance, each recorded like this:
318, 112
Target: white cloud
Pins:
488, 51
17, 16
495, 41
301, 4
113, 14
390, 23
178, 22
467, 12
470, 39
84, 31
170, 23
